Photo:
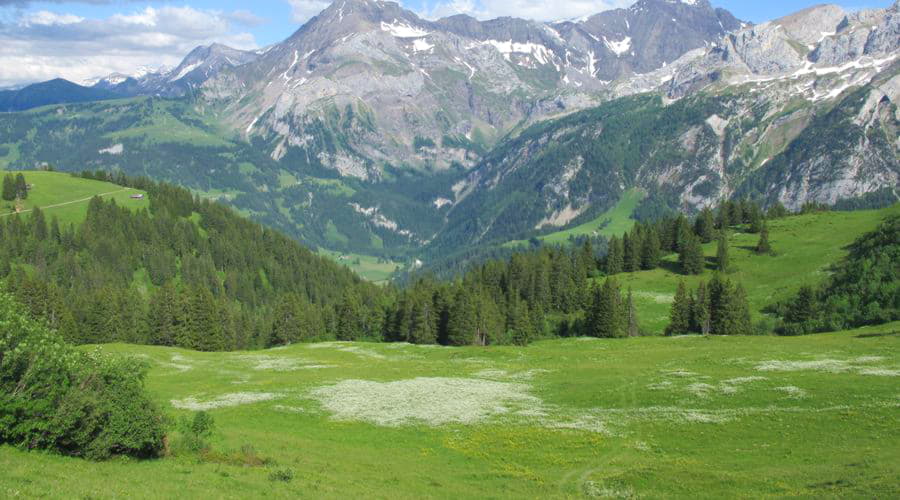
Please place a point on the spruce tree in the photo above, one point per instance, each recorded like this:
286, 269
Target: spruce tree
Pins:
38, 224
9, 187
705, 225
680, 314
650, 251
606, 318
615, 258
804, 307
755, 217
763, 247
633, 328
691, 258
462, 323
722, 263
21, 187
700, 315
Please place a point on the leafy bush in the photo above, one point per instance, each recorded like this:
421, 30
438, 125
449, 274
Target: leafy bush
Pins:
196, 431
54, 397
284, 475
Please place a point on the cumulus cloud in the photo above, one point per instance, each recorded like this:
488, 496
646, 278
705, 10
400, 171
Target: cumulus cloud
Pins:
539, 10
44, 45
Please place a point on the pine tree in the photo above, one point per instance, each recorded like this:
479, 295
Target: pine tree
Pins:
700, 313
755, 217
705, 225
286, 321
650, 251
776, 211
633, 325
38, 224
680, 314
9, 187
691, 258
804, 307
462, 323
763, 247
615, 258
350, 319
21, 187
606, 318
423, 321
722, 263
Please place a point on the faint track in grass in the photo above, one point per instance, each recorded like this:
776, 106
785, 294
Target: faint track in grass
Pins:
68, 202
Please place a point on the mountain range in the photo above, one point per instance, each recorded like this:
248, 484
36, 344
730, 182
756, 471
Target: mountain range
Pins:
375, 131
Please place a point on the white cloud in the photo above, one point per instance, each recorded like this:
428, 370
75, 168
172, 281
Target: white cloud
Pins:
303, 10
43, 45
539, 10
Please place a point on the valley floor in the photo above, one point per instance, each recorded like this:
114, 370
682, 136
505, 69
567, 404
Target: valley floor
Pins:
649, 417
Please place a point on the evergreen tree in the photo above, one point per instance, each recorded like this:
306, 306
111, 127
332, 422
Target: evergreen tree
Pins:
423, 321
722, 263
700, 313
606, 317
462, 323
21, 187
615, 258
691, 258
650, 251
350, 317
723, 216
804, 306
776, 211
755, 217
729, 311
763, 247
705, 225
166, 316
632, 323
680, 314
38, 224
286, 322
9, 187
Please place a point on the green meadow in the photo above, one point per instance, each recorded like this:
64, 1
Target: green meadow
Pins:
811, 417
66, 197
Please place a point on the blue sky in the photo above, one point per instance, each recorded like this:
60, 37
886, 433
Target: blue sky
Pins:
80, 39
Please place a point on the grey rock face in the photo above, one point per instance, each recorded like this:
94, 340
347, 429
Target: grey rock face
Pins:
456, 80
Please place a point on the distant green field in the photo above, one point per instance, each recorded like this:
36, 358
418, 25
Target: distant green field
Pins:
66, 197
718, 417
366, 266
614, 222
806, 246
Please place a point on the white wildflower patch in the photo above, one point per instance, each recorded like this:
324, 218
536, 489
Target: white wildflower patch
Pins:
505, 375
700, 389
822, 365
424, 400
792, 392
277, 364
179, 363
680, 373
661, 386
869, 359
593, 489
831, 366
659, 298
879, 372
224, 401
289, 409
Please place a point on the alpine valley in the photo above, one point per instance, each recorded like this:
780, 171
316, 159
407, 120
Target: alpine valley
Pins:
373, 131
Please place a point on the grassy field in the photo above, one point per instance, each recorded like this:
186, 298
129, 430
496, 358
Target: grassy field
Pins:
806, 246
66, 197
614, 222
716, 417
366, 266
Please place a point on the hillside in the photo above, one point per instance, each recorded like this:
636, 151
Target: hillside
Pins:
56, 91
805, 247
66, 197
484, 132
559, 419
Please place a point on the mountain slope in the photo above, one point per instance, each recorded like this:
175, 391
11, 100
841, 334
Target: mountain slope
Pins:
367, 83
56, 91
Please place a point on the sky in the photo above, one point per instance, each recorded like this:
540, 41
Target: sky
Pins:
83, 39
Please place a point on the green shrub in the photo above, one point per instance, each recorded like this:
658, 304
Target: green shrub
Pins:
54, 397
196, 431
284, 475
